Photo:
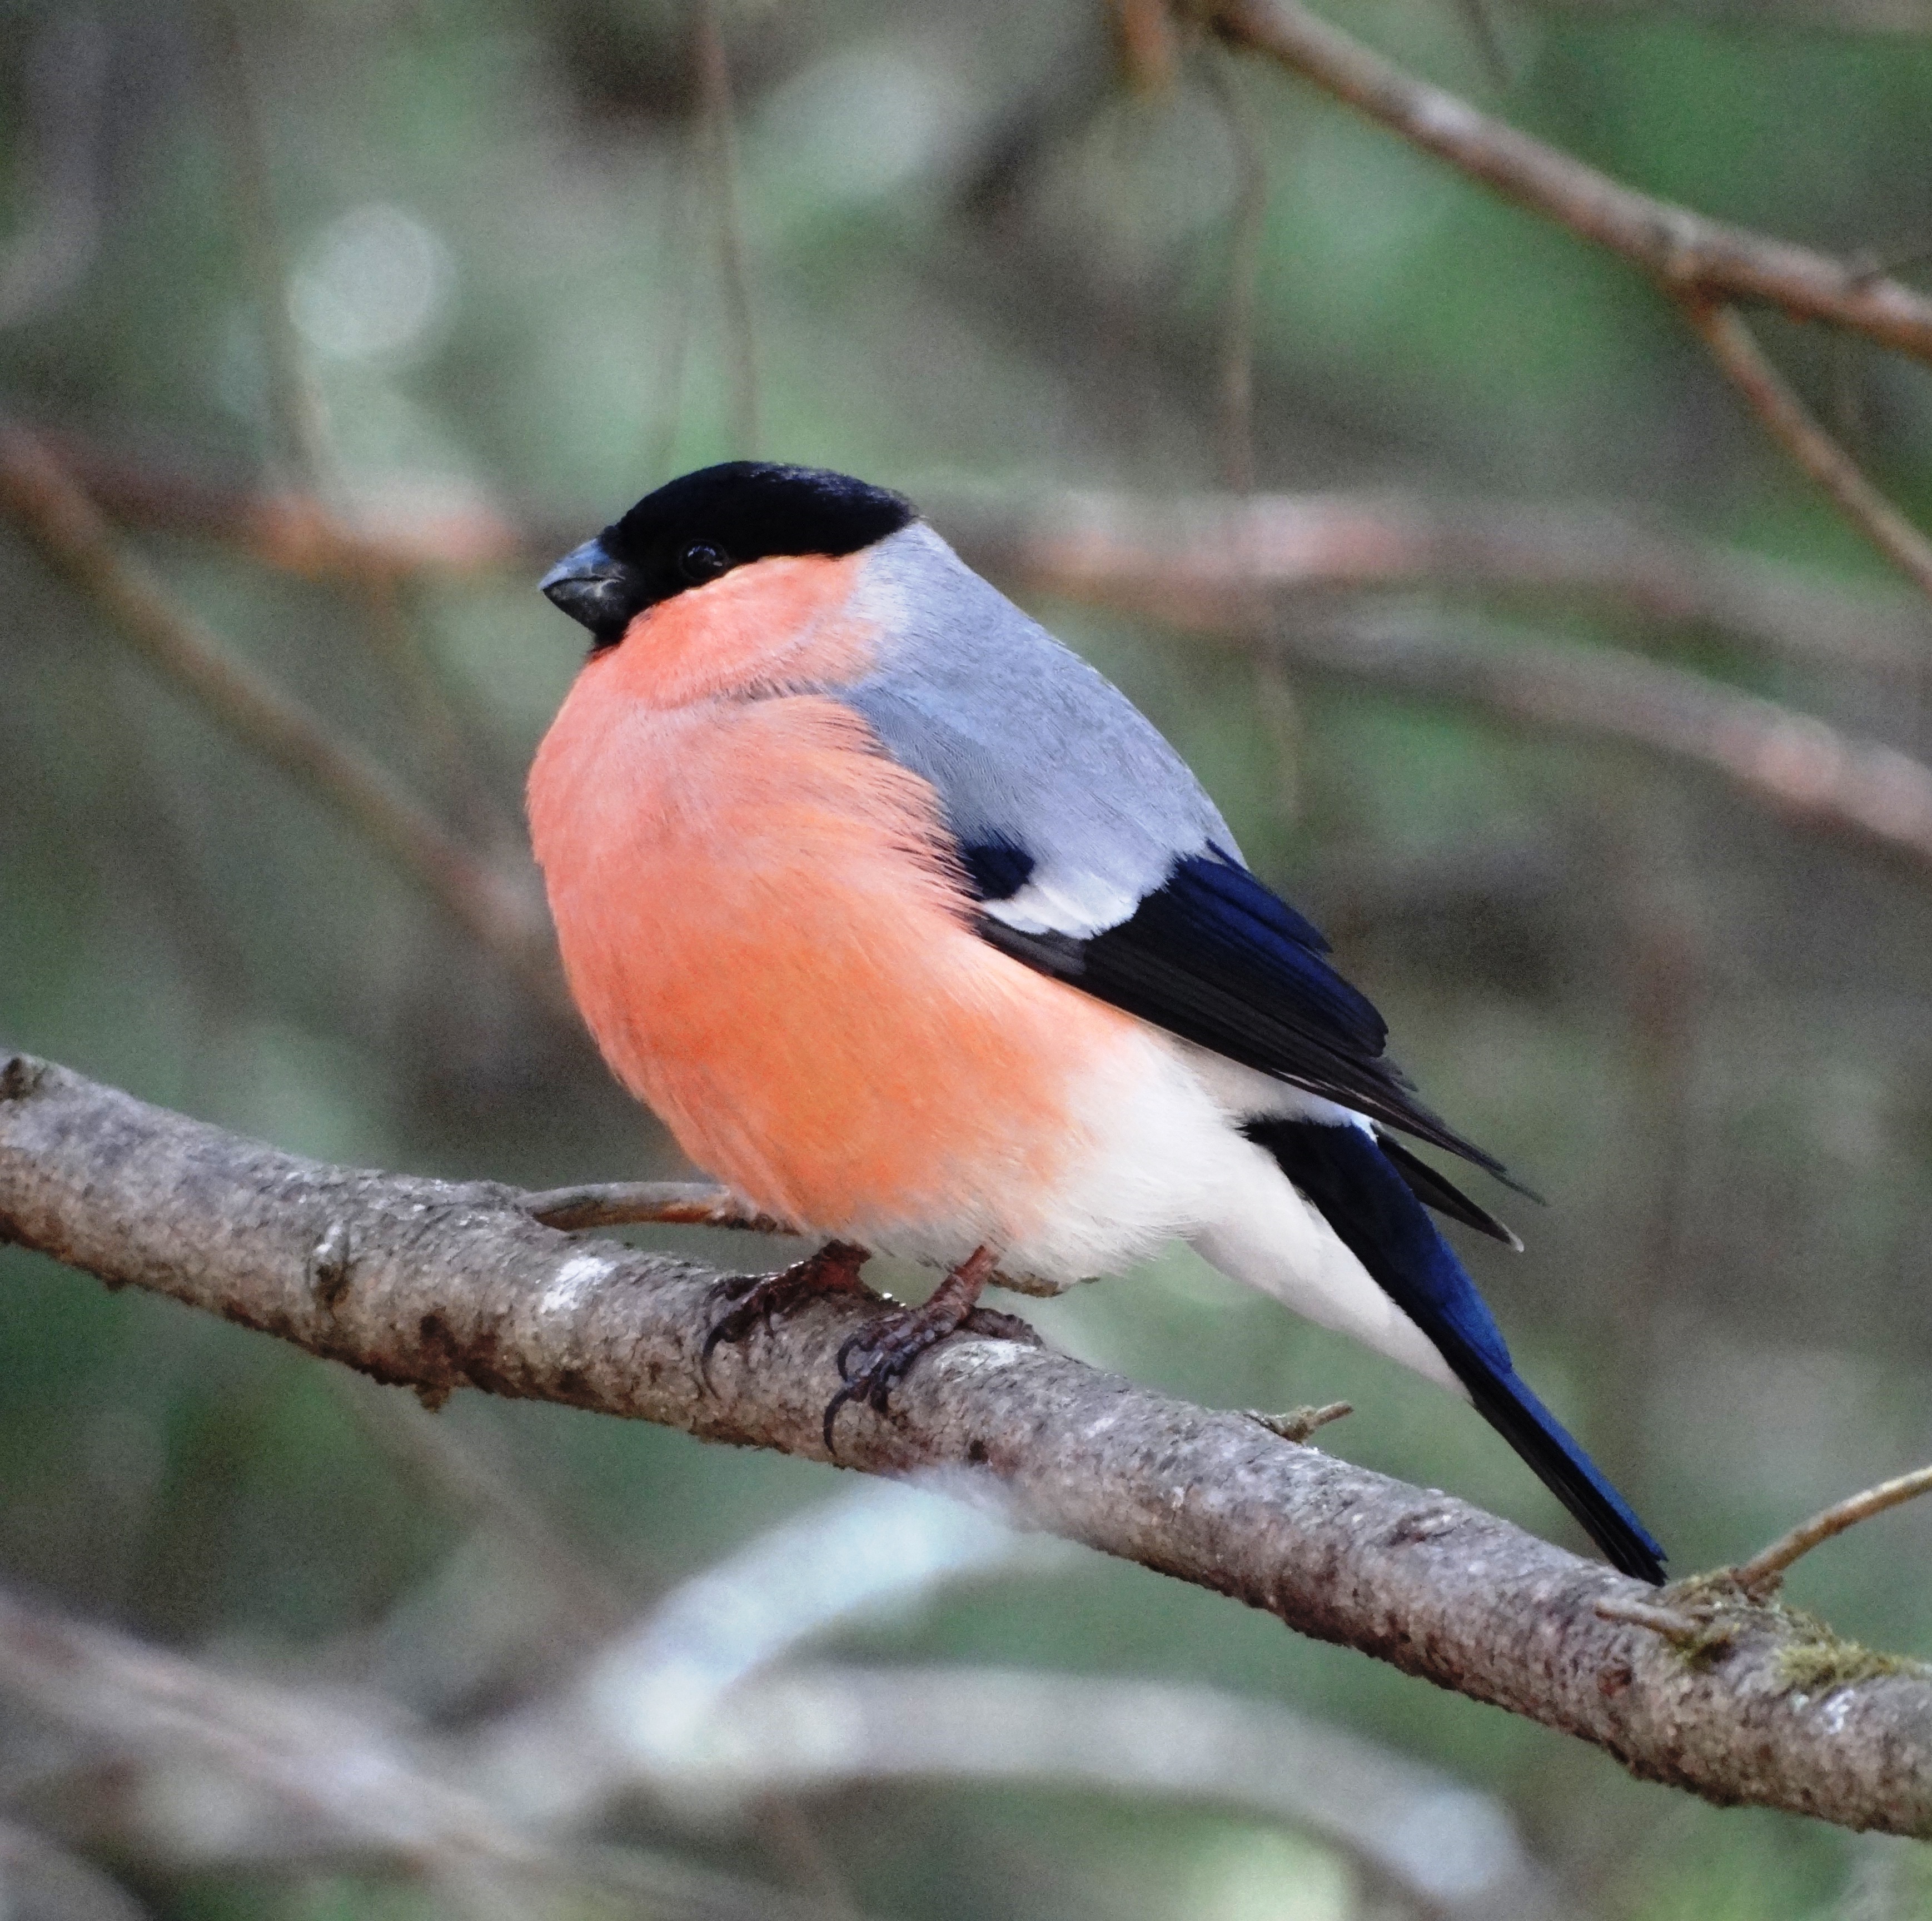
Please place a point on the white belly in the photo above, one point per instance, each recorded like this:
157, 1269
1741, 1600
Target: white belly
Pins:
1164, 1159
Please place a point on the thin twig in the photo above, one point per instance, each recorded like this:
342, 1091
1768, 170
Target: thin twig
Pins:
1244, 258
294, 403
680, 269
1763, 1573
681, 1203
1298, 1423
1683, 252
462, 1474
43, 501
643, 1203
1484, 31
719, 121
1680, 1630
1799, 433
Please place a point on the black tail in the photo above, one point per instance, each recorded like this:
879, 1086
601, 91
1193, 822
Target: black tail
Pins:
1344, 1173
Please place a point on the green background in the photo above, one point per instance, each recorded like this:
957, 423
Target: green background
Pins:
978, 264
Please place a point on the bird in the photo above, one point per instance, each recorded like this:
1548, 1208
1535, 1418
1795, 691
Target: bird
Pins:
921, 937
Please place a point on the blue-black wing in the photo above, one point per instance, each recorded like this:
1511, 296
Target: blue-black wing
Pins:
1098, 857
1213, 955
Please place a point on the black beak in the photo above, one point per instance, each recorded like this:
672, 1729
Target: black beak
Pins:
595, 590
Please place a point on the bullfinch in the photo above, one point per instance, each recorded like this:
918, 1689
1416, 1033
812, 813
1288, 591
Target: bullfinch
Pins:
916, 934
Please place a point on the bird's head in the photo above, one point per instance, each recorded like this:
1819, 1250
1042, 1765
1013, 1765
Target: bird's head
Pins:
719, 521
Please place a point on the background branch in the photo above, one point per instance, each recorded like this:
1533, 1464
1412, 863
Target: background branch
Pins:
698, 1708
1314, 542
1210, 555
61, 524
1686, 253
1793, 427
1797, 765
442, 1286
310, 1775
1705, 265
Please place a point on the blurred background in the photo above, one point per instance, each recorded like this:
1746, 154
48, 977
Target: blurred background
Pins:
350, 315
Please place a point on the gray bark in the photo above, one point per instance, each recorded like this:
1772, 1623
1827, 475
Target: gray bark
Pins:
441, 1286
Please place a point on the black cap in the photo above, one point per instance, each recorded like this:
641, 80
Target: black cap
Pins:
702, 525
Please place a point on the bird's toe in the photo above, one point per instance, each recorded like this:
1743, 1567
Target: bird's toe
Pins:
757, 1300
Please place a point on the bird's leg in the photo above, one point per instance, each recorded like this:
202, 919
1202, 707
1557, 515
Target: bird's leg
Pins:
875, 1360
758, 1300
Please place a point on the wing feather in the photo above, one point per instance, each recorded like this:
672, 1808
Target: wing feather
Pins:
1212, 956
1098, 858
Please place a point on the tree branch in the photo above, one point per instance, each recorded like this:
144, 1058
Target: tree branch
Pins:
696, 1707
1765, 1571
1789, 762
73, 540
1198, 564
1792, 427
1704, 264
1299, 542
443, 1286
814, 1730
1203, 547
1798, 766
308, 1775
1685, 253
1207, 557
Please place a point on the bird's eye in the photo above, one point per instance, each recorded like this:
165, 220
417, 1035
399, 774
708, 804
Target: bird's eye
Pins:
701, 562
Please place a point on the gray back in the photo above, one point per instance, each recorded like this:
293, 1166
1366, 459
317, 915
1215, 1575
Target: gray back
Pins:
1026, 743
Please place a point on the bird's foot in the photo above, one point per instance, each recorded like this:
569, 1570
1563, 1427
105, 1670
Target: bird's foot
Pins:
874, 1360
759, 1300
1298, 1423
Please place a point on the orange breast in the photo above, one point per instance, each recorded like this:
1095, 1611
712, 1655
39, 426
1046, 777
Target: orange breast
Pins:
762, 930
782, 622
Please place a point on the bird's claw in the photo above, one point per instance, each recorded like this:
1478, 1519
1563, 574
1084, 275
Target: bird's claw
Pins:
874, 1360
761, 1300
887, 1347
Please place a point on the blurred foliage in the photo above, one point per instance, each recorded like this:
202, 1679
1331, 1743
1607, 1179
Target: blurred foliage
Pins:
975, 263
